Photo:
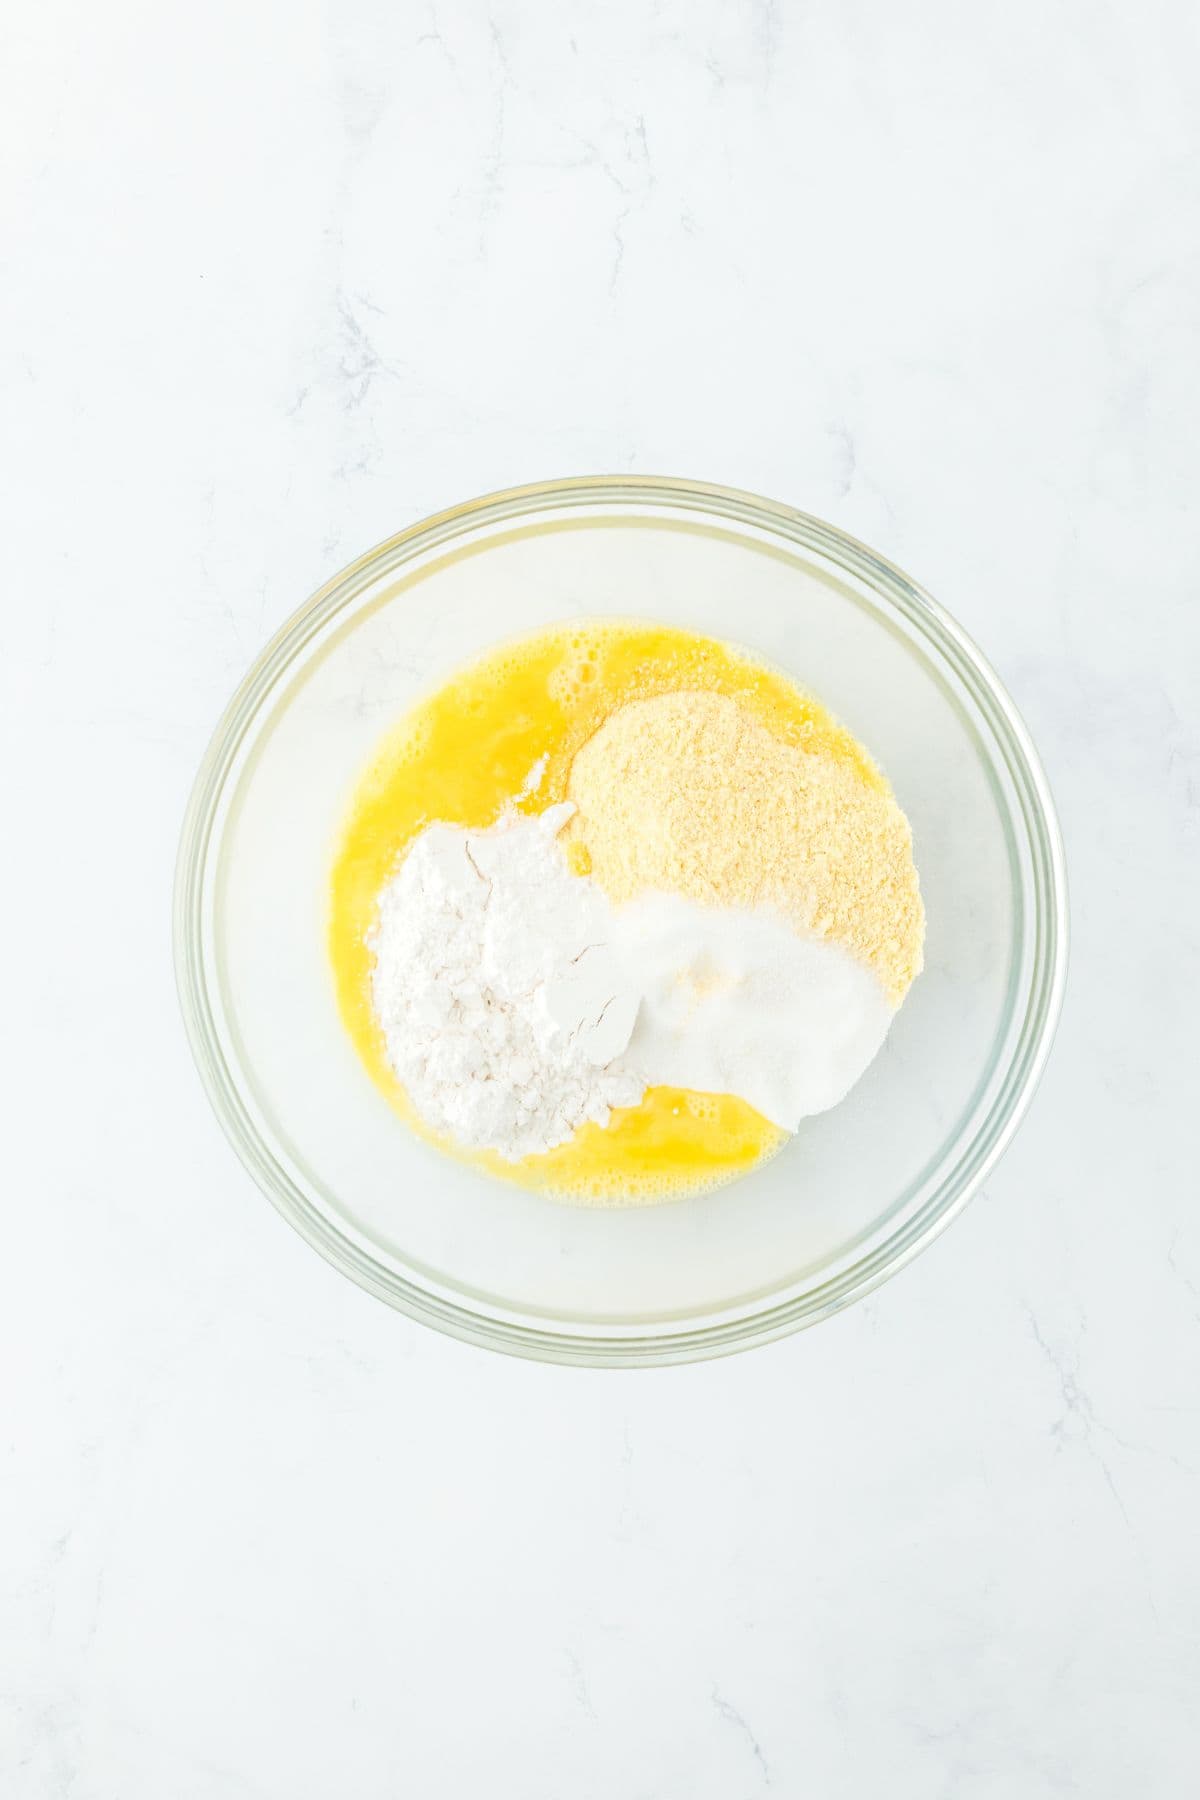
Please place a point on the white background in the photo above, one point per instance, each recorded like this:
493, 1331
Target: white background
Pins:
281, 278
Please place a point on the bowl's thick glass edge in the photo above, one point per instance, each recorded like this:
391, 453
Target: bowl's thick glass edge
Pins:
672, 1345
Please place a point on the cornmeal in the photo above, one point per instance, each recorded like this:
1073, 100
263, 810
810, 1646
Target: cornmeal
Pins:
688, 793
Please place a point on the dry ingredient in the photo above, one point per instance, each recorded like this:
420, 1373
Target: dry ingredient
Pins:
494, 991
516, 1003
687, 793
733, 1001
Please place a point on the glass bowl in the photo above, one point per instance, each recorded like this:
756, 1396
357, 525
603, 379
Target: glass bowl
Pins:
859, 1190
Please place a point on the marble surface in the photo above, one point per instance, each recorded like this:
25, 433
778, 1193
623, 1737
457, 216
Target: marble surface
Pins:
281, 279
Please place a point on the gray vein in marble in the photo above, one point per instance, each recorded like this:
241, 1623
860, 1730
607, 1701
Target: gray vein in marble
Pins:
766, 28
579, 1683
637, 138
1173, 1264
847, 460
618, 235
359, 362
493, 161
1076, 1406
730, 1713
437, 37
361, 108
595, 158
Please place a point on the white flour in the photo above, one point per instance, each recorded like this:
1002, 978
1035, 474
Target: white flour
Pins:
495, 988
516, 1003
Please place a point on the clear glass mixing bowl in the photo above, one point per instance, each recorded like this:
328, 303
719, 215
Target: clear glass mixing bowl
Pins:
860, 1190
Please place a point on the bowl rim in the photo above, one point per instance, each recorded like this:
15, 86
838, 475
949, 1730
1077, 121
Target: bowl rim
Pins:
673, 1343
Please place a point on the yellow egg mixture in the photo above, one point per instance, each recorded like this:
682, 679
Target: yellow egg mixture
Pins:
462, 756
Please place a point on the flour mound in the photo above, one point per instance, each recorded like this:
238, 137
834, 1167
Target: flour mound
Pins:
497, 988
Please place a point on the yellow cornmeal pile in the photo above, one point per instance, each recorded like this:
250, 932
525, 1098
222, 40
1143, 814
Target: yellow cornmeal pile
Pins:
689, 794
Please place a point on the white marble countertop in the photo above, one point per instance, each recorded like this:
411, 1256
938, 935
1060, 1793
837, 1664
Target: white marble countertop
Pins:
280, 280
